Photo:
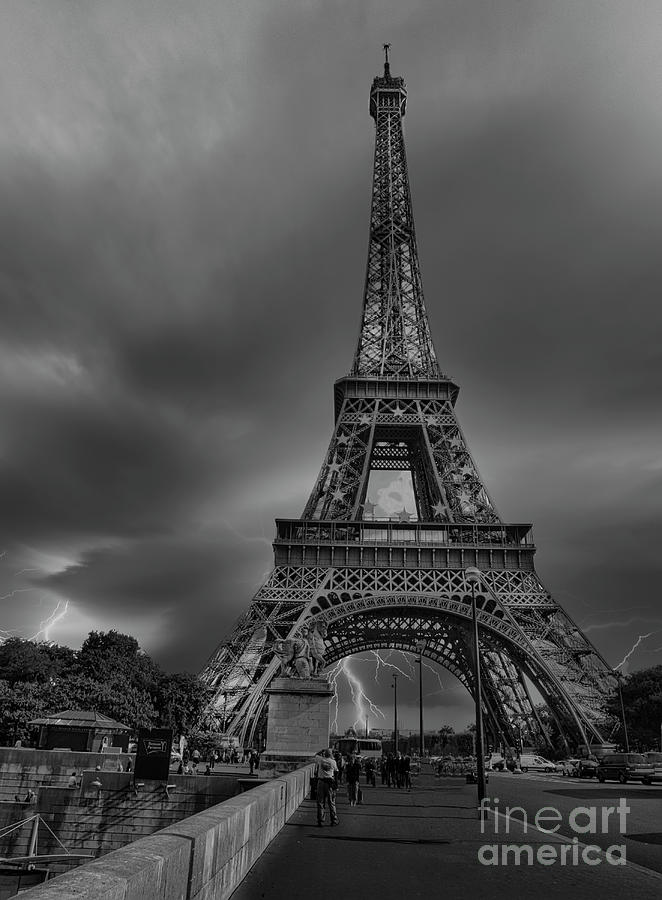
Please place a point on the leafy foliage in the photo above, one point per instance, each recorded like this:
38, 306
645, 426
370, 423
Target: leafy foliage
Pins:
642, 701
110, 674
30, 661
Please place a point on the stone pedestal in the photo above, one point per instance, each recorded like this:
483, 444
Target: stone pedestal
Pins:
298, 722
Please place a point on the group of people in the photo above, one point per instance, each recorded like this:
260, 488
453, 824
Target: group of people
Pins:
332, 769
190, 762
395, 770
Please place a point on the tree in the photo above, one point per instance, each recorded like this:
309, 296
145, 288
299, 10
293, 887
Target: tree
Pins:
112, 656
642, 701
110, 674
19, 704
444, 734
182, 700
32, 661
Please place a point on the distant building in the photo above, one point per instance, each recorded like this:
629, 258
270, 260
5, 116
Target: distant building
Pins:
77, 729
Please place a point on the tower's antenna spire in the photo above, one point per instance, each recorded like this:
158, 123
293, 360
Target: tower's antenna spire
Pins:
387, 67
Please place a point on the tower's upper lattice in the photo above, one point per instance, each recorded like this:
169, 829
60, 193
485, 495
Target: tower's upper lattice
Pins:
395, 336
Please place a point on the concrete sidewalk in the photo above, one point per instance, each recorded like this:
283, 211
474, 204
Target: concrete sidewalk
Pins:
423, 844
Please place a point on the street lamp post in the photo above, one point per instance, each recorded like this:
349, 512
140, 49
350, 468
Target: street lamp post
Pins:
395, 712
472, 576
619, 676
420, 647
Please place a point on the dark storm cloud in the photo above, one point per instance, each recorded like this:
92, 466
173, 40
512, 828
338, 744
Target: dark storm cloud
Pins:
182, 252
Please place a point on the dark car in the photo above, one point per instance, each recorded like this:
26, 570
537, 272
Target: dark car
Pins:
625, 767
587, 768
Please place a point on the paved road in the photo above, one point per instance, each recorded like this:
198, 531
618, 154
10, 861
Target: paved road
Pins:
425, 844
642, 834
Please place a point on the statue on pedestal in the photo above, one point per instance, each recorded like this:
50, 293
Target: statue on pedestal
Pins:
303, 656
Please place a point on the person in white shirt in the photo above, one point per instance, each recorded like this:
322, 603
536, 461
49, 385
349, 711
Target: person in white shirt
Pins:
326, 772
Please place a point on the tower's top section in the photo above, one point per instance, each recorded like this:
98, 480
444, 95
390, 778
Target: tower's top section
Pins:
395, 336
387, 91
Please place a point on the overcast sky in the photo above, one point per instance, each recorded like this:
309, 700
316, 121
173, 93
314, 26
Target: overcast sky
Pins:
184, 220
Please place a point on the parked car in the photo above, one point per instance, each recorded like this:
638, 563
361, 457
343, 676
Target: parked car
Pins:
529, 762
625, 767
567, 766
655, 759
587, 768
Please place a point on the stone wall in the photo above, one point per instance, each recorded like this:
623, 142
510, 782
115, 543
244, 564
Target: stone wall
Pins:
22, 768
90, 819
202, 857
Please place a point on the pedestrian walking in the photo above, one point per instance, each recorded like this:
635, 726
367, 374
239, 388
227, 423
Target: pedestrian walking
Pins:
399, 769
370, 771
326, 772
390, 771
352, 773
406, 772
340, 762
73, 781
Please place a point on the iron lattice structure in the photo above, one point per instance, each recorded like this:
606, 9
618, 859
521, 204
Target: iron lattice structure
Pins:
392, 582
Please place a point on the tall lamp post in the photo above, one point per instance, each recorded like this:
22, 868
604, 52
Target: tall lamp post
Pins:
472, 576
395, 712
619, 678
420, 647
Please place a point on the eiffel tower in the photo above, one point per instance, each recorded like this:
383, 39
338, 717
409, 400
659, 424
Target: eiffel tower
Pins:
380, 576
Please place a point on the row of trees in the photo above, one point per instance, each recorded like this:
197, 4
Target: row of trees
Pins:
110, 674
642, 704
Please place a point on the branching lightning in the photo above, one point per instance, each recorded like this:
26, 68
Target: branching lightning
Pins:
385, 662
16, 591
642, 637
333, 680
363, 705
46, 625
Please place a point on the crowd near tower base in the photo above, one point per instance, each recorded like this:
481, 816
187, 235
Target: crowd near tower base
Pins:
297, 724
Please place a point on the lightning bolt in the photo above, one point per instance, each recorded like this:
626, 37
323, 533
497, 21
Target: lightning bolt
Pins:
385, 662
333, 680
363, 705
46, 625
642, 637
359, 696
16, 591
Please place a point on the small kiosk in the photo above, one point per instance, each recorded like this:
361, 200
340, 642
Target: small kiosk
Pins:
78, 729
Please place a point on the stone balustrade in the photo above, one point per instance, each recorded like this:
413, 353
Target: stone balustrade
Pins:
203, 857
